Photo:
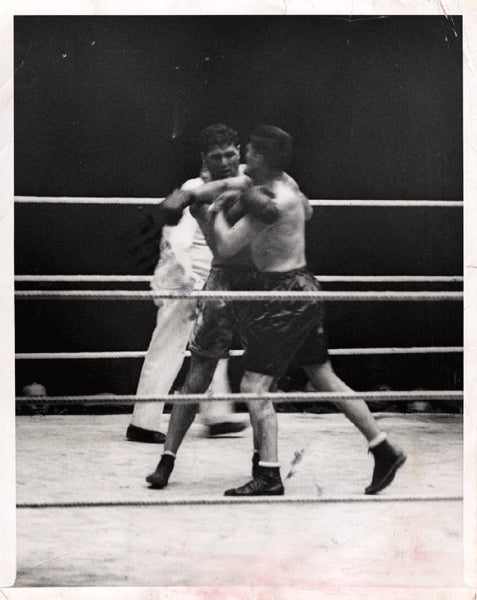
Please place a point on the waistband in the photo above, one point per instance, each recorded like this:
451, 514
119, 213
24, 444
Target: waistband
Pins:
234, 268
283, 274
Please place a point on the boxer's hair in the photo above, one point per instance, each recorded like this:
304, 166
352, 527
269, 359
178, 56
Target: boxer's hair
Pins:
215, 135
274, 144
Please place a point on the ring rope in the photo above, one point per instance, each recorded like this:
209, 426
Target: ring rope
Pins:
229, 295
323, 278
391, 396
156, 201
142, 353
232, 500
386, 203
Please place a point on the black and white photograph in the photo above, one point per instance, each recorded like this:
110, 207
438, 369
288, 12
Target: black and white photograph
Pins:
234, 302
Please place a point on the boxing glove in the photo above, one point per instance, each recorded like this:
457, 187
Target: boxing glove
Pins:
173, 206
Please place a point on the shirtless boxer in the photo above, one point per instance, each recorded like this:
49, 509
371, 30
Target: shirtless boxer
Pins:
278, 252
273, 331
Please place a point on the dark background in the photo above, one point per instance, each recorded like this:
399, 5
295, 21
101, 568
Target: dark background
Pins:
112, 106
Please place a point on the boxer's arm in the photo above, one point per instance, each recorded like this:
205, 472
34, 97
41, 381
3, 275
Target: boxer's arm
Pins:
224, 201
230, 205
172, 207
201, 213
260, 202
210, 191
230, 239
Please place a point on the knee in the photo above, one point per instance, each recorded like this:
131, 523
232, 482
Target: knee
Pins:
199, 376
320, 375
253, 383
195, 384
246, 385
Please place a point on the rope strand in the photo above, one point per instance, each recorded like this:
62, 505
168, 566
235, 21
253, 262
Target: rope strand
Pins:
242, 296
156, 201
391, 396
238, 500
322, 278
142, 353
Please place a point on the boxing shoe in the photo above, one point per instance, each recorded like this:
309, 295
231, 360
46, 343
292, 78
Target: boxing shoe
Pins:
266, 483
160, 478
148, 436
225, 427
387, 460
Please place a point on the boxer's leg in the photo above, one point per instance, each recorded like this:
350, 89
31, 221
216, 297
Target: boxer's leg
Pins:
387, 457
198, 379
218, 416
267, 480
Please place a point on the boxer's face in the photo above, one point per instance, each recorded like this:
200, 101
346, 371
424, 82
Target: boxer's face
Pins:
222, 161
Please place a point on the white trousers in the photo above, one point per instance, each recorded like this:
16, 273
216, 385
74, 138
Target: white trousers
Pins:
164, 357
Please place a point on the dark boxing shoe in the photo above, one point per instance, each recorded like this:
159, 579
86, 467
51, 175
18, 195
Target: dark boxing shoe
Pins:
267, 483
226, 427
387, 460
160, 478
148, 436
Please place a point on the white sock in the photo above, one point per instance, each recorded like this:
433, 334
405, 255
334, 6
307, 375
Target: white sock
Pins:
377, 440
168, 453
268, 464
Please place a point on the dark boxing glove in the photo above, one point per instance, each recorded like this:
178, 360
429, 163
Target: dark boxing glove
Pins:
173, 206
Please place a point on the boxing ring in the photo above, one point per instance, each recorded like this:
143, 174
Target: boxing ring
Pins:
176, 498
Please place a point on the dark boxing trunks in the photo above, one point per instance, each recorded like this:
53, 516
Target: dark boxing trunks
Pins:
216, 324
273, 332
277, 331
